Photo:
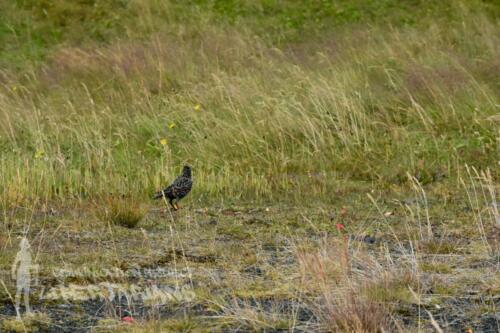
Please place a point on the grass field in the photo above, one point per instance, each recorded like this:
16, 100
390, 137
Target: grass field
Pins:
345, 158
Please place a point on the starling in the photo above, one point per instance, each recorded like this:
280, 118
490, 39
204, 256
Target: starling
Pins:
178, 189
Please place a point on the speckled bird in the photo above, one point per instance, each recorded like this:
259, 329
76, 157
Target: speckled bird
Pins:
178, 189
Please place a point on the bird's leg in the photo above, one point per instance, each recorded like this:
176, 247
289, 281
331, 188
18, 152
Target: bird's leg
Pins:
171, 202
174, 204
177, 205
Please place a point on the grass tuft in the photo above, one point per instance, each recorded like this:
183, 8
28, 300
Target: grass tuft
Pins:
32, 322
123, 212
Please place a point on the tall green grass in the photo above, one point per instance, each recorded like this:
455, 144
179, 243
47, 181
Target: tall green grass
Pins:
256, 119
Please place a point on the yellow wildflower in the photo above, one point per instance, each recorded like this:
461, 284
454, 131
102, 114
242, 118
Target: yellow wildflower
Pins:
39, 153
197, 107
163, 142
171, 125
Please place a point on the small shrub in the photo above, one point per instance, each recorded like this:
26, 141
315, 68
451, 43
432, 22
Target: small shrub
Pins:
439, 246
126, 213
392, 288
31, 322
441, 268
108, 325
340, 303
352, 313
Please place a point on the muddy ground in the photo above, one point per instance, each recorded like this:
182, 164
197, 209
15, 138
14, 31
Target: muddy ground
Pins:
243, 269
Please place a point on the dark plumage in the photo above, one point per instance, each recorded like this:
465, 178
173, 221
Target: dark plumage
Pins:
178, 189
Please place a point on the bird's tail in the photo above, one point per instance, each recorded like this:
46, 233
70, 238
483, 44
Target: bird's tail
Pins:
158, 195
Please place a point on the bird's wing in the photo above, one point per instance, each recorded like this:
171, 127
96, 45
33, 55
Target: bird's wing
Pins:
166, 191
169, 189
179, 182
179, 185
